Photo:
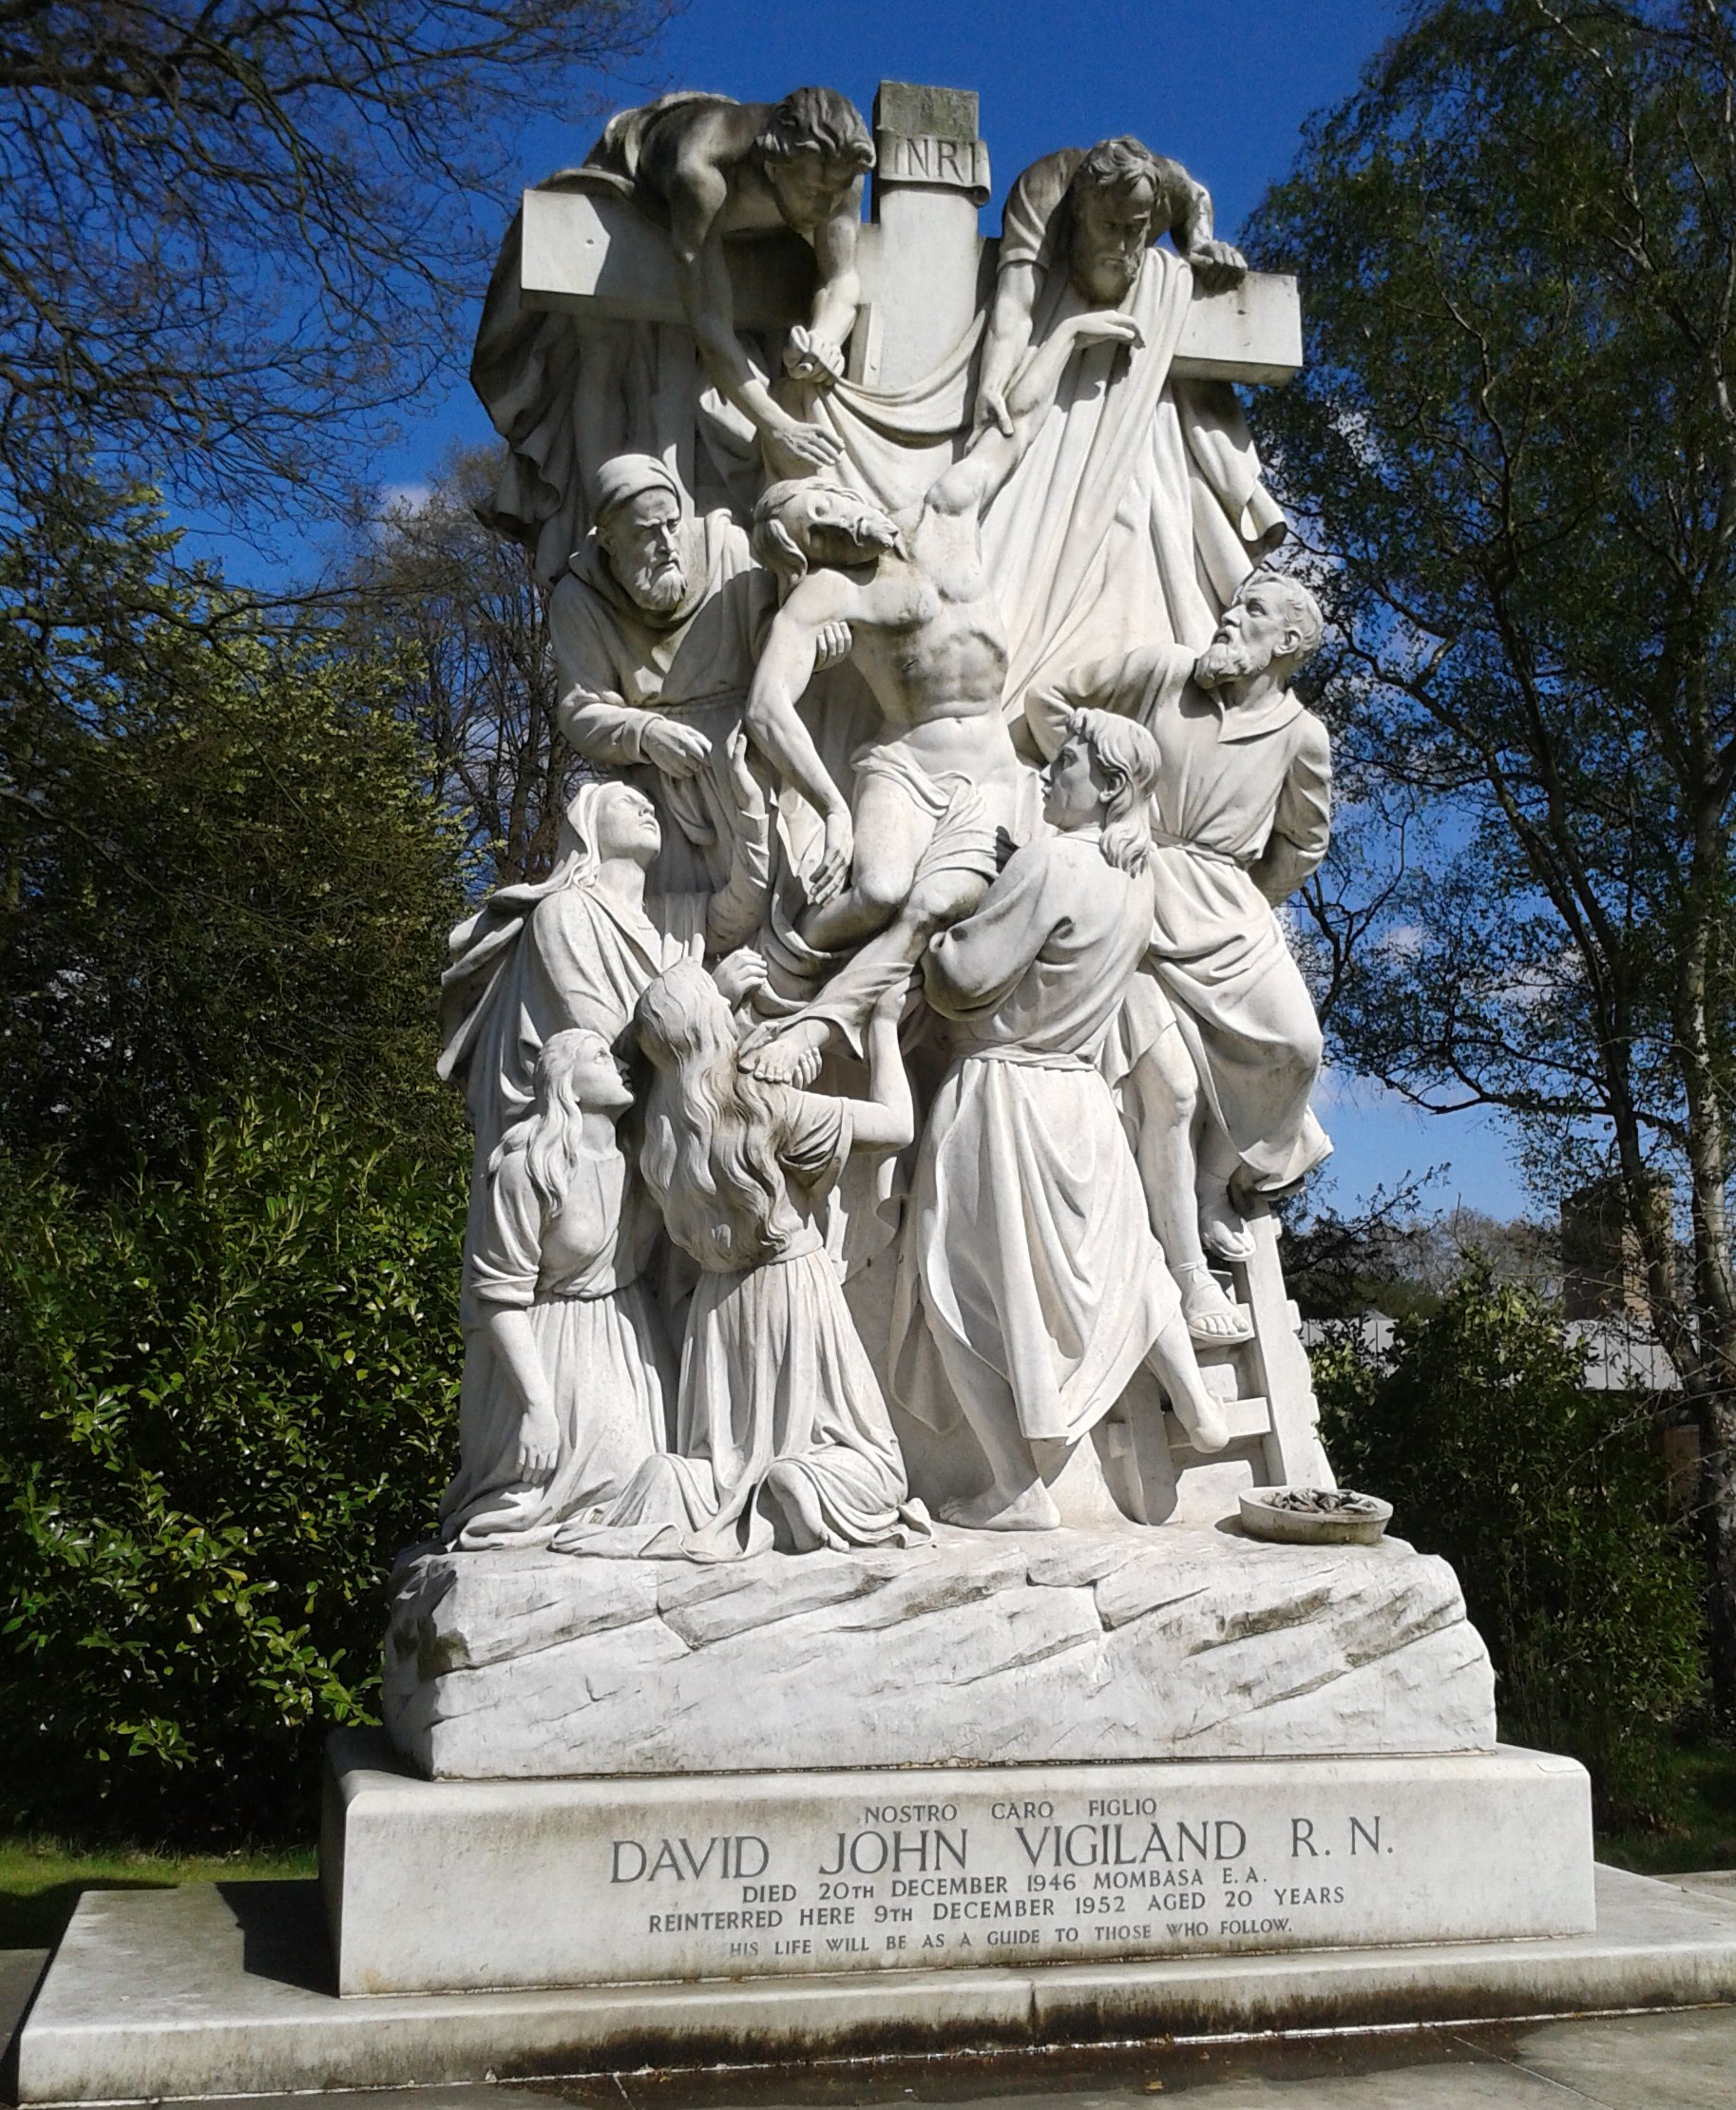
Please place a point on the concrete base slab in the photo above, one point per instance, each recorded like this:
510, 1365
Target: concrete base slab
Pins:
223, 1990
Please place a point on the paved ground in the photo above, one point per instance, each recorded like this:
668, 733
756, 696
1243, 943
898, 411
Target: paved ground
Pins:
1674, 2062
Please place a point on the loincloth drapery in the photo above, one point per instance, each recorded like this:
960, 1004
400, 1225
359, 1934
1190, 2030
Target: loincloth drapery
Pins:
967, 811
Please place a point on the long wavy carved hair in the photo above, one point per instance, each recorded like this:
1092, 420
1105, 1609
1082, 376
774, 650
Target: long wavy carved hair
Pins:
551, 1133
708, 1154
1124, 754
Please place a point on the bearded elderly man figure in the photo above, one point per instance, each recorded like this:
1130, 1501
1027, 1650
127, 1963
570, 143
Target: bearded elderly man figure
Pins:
1219, 1047
656, 626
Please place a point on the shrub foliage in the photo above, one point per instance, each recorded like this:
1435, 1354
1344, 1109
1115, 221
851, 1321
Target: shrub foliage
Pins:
231, 1399
1548, 1500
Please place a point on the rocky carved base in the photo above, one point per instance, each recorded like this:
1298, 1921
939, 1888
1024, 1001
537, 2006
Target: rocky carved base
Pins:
1060, 1648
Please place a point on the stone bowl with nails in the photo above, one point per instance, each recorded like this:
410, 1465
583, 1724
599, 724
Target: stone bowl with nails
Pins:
1314, 1516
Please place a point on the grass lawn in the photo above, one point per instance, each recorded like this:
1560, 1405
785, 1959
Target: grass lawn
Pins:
40, 1880
1703, 1836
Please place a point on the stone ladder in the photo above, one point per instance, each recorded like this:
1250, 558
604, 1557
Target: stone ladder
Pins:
1264, 1384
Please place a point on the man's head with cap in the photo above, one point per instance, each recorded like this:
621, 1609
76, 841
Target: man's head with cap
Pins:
637, 507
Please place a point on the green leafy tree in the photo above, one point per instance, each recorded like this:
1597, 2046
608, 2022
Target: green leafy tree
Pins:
1549, 1503
221, 867
230, 1399
1513, 454
231, 1193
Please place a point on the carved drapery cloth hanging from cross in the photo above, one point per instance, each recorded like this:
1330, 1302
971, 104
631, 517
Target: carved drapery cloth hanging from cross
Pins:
884, 1097
1142, 495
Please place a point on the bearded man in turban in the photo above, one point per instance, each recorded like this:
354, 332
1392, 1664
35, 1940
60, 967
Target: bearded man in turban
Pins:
656, 625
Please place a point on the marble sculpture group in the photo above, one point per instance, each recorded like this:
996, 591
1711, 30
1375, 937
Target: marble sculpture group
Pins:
905, 1029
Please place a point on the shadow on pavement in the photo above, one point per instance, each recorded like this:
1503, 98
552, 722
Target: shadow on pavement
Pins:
284, 1932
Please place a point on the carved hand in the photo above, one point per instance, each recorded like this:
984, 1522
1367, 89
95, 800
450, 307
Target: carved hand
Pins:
749, 792
833, 643
889, 1003
739, 975
807, 443
676, 750
826, 878
809, 356
1105, 326
1218, 266
539, 1442
992, 410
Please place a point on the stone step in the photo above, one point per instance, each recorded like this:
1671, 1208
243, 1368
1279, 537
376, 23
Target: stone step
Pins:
226, 1990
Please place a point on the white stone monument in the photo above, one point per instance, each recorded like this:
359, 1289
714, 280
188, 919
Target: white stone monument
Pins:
842, 1633
866, 1362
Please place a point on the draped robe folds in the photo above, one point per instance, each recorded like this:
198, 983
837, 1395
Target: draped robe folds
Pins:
772, 1373
1235, 781
534, 961
537, 959
575, 1271
1136, 509
1029, 1281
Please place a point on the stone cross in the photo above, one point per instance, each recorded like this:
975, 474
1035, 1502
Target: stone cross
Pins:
925, 267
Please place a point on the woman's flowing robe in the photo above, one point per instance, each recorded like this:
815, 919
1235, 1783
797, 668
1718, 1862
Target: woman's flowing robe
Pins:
1029, 1280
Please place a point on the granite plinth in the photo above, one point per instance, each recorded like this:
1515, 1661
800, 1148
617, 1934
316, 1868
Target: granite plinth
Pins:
770, 1875
977, 1650
225, 1990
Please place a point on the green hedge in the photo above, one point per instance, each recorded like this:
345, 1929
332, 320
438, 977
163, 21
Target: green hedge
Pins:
1550, 1502
230, 1398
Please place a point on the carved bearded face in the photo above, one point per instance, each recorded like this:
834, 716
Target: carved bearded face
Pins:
1258, 627
1112, 229
642, 542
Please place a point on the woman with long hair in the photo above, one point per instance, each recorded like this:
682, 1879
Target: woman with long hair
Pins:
574, 949
1030, 1285
579, 1367
782, 1433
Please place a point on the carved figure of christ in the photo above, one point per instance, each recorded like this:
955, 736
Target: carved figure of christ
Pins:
928, 637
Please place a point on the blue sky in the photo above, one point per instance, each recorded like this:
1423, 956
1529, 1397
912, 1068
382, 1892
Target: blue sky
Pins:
1224, 86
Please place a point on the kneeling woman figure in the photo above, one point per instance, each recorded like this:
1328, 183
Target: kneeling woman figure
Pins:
782, 1433
581, 1365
